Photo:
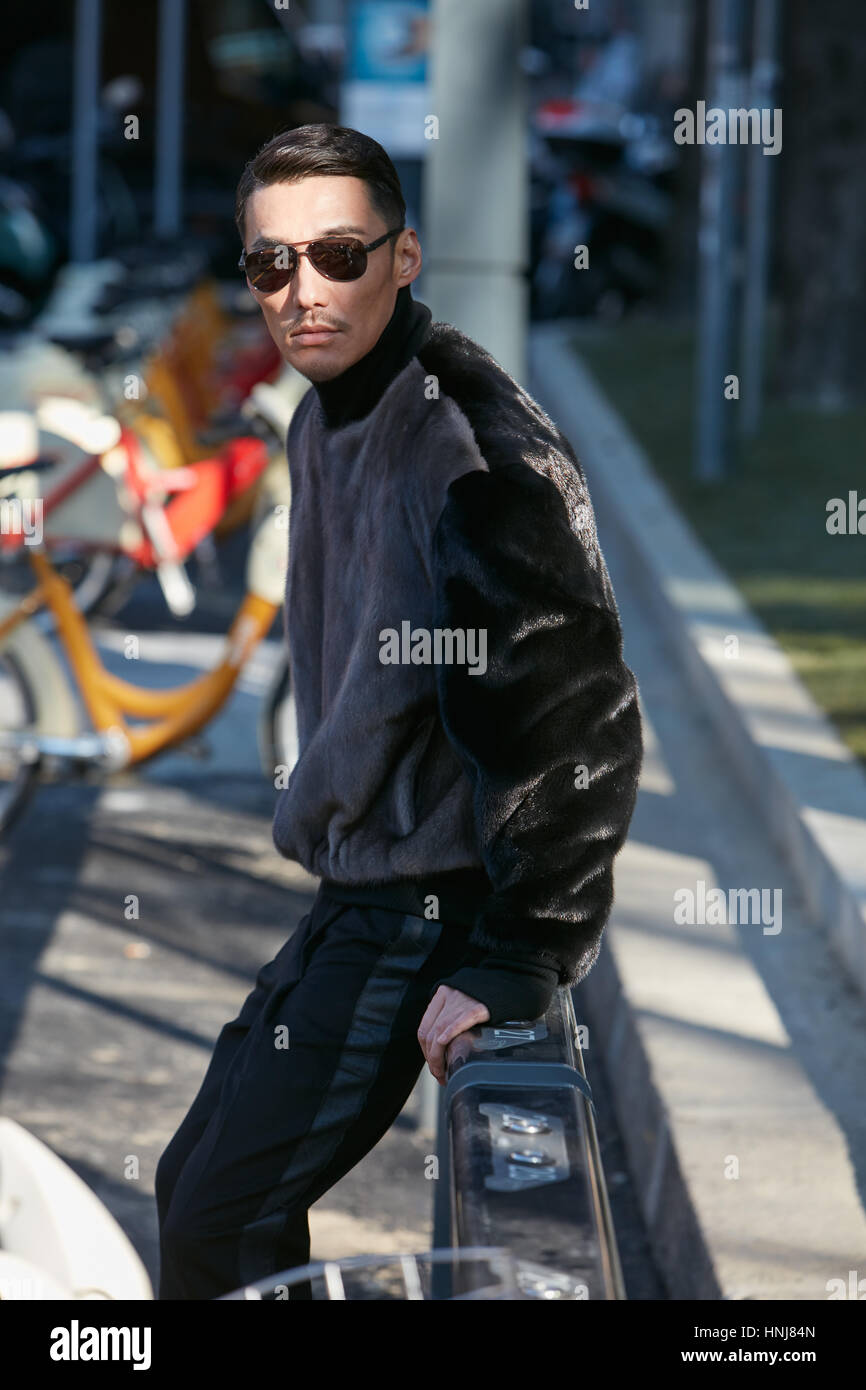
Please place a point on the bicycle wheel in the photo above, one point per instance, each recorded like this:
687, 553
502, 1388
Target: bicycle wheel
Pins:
34, 699
277, 725
90, 574
19, 771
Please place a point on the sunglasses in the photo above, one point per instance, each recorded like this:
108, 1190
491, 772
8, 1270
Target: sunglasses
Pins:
337, 258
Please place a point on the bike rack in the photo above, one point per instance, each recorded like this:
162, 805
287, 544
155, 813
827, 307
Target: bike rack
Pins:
408, 1277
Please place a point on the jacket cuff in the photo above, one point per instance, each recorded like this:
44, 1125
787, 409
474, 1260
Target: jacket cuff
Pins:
510, 992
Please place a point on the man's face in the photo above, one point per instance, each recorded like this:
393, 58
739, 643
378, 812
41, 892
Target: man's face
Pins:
356, 310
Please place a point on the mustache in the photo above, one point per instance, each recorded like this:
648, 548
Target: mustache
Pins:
300, 326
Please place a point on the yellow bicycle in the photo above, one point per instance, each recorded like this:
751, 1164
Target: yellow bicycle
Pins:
40, 723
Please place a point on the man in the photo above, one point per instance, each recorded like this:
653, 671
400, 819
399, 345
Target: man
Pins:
469, 735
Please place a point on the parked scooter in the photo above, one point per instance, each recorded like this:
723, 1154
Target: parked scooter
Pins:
28, 251
605, 172
41, 162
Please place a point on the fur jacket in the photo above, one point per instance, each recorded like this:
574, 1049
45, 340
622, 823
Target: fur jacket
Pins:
456, 655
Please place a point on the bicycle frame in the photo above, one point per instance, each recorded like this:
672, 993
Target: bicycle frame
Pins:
176, 713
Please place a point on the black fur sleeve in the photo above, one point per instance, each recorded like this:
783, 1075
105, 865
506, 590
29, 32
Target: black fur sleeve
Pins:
550, 733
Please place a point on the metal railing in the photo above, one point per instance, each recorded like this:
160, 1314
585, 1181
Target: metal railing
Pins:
519, 1159
520, 1203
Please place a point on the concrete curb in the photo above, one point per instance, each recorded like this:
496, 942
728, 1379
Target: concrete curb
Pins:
807, 785
679, 1245
811, 795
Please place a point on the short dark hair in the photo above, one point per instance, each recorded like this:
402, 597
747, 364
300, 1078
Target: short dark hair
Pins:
323, 148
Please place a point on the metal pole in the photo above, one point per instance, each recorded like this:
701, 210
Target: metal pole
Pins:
326, 12
475, 176
765, 74
169, 117
83, 212
718, 236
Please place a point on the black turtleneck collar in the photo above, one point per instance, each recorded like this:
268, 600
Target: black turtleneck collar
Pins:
353, 394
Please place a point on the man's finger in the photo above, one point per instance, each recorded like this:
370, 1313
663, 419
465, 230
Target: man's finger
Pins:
456, 1018
434, 1049
434, 1009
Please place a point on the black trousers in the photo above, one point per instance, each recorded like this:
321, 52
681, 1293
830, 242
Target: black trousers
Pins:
302, 1084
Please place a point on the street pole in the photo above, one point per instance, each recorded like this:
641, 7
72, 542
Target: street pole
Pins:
475, 176
326, 12
475, 201
84, 171
169, 117
718, 242
765, 74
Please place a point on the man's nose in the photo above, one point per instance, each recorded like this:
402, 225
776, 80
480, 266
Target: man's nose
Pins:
307, 288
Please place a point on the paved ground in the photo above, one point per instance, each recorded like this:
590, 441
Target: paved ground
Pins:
736, 1051
734, 1058
102, 1047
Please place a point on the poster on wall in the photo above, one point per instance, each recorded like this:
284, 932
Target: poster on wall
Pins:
385, 92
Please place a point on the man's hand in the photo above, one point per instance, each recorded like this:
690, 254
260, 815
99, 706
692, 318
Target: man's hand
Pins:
449, 1013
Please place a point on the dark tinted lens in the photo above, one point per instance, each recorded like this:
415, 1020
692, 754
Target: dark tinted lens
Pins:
339, 260
267, 270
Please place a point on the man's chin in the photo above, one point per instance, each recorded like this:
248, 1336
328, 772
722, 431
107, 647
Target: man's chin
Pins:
315, 363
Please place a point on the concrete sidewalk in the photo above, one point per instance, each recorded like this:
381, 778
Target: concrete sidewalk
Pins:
736, 1051
108, 1017
135, 916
